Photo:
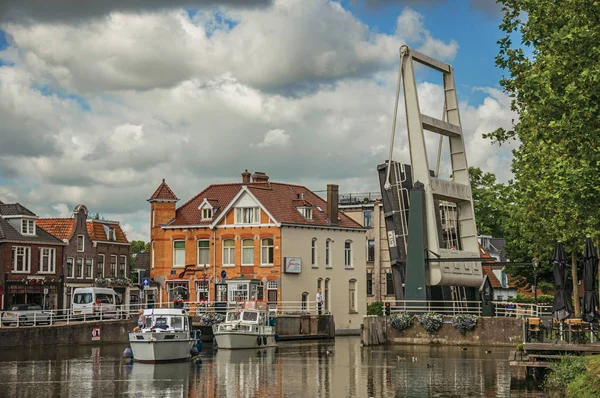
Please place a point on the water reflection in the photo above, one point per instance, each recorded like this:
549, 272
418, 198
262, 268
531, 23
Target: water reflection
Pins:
306, 369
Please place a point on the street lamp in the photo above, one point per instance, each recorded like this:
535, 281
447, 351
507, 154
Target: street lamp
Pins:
536, 263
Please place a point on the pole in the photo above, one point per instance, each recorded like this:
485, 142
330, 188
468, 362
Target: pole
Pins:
535, 285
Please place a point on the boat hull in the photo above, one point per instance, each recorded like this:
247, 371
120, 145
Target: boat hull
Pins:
161, 347
231, 340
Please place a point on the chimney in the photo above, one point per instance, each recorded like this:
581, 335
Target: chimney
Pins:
259, 176
246, 176
332, 203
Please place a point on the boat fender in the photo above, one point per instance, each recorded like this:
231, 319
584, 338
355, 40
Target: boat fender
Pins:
194, 351
128, 353
264, 340
259, 341
199, 345
276, 337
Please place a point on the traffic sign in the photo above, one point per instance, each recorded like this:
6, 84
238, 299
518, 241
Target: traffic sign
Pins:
223, 274
146, 282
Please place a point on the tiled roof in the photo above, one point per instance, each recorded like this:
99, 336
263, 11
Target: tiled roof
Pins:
59, 227
8, 233
15, 209
62, 228
163, 192
278, 198
496, 284
142, 261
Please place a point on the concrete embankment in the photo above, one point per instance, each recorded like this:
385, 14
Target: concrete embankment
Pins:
293, 327
76, 333
489, 332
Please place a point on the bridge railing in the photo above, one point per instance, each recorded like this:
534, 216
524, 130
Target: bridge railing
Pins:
502, 308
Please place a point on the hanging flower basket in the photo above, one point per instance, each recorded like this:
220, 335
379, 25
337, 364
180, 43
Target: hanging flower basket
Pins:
211, 318
464, 322
113, 282
431, 322
401, 321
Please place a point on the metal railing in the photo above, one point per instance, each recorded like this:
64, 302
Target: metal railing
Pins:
502, 308
519, 310
195, 308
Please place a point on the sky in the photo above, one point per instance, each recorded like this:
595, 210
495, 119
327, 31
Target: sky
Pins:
99, 103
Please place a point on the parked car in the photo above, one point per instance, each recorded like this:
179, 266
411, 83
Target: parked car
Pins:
27, 313
94, 302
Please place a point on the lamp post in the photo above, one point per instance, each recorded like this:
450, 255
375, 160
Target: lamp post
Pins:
536, 263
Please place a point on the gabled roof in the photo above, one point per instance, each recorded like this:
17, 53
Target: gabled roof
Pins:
10, 234
142, 261
15, 209
62, 228
279, 199
496, 283
163, 193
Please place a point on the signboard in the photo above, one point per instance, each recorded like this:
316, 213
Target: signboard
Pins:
223, 274
96, 334
46, 291
293, 265
392, 238
146, 283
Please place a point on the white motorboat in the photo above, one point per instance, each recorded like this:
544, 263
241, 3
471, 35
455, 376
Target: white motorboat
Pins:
165, 336
246, 327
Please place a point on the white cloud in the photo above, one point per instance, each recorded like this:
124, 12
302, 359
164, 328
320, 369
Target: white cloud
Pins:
100, 111
276, 138
62, 209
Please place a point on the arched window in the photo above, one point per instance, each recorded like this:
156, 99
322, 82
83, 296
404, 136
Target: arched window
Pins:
328, 253
266, 256
304, 301
313, 253
319, 281
228, 253
348, 254
352, 295
248, 252
326, 295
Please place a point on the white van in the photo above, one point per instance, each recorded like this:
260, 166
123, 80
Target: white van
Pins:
93, 301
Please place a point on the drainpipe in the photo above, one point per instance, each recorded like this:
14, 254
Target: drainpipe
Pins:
379, 265
214, 263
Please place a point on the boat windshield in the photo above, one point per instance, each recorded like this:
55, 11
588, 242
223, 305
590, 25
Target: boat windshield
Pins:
233, 316
250, 316
165, 322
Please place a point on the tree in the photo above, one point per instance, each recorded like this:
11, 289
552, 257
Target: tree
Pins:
555, 91
491, 201
139, 246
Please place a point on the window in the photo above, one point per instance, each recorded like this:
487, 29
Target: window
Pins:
47, 260
313, 253
272, 285
123, 267
370, 250
319, 281
178, 253
207, 213
348, 254
306, 212
70, 267
153, 218
89, 265
389, 284
369, 284
203, 253
368, 221
247, 215
247, 252
178, 289
113, 266
79, 273
202, 290
27, 227
352, 295
228, 253
267, 252
100, 266
21, 259
326, 294
80, 243
304, 301
328, 253
239, 290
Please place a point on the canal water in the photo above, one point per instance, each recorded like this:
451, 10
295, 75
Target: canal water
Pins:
294, 369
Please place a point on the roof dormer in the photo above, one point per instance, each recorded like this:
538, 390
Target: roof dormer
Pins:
27, 226
208, 208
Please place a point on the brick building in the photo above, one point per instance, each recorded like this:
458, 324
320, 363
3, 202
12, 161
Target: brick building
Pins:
31, 260
97, 253
282, 236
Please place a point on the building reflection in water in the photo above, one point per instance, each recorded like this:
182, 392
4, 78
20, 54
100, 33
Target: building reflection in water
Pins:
296, 369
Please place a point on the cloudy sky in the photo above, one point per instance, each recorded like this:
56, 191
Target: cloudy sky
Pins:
98, 104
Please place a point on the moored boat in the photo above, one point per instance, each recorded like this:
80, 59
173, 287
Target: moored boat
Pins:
165, 336
245, 327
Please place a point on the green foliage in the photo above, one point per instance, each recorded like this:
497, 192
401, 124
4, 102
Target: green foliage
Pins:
491, 201
401, 321
574, 377
139, 246
545, 299
554, 82
464, 322
546, 287
431, 321
375, 308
